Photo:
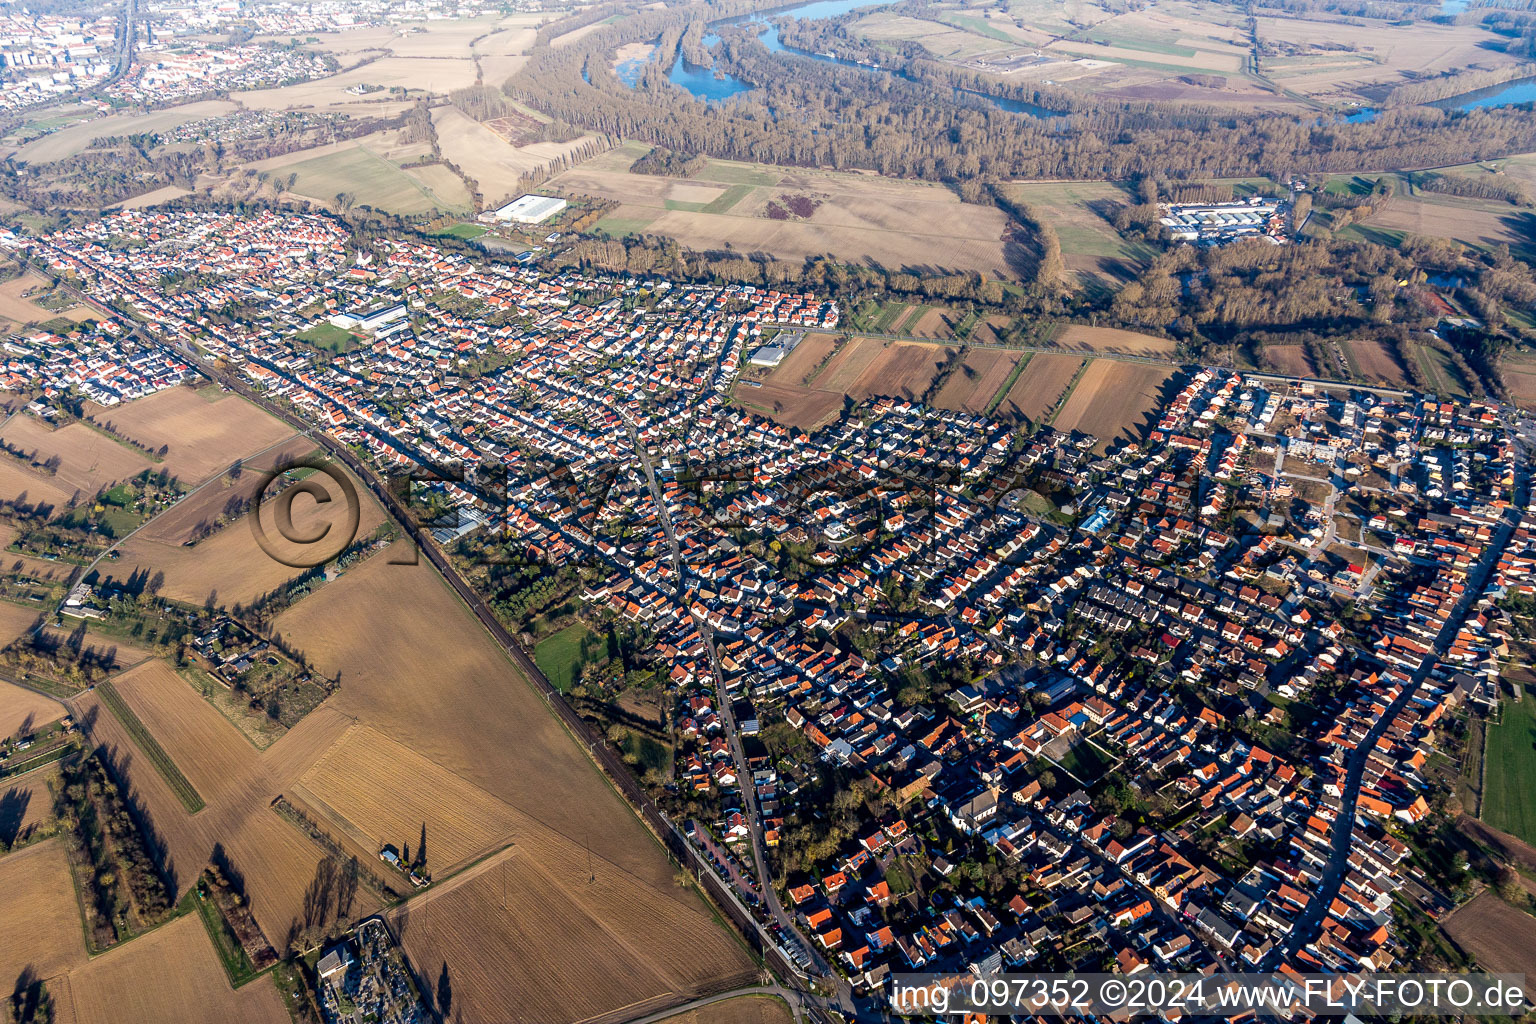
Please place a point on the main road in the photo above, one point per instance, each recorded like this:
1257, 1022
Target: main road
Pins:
844, 1000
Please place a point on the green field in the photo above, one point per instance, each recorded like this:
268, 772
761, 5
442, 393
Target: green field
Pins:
978, 26
1144, 45
559, 654
1509, 793
619, 227
1073, 209
737, 174
371, 179
151, 747
330, 337
1086, 761
466, 231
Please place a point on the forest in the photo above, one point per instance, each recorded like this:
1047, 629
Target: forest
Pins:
933, 121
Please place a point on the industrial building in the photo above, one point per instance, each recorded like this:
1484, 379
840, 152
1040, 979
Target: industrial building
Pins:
1214, 223
529, 209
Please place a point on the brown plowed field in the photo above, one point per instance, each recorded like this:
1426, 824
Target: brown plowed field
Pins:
205, 430
210, 752
1377, 362
741, 1010
1290, 360
546, 914
230, 564
1502, 938
1114, 400
25, 804
179, 525
1113, 339
276, 859
89, 460
417, 668
975, 381
42, 920
18, 483
1039, 387
167, 976
389, 792
804, 360
806, 408
22, 711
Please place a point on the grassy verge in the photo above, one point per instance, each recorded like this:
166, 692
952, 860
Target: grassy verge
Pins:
151, 747
232, 956
558, 655
1007, 386
1066, 396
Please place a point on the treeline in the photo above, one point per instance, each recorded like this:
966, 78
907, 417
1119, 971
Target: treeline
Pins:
668, 163
1453, 83
1037, 236
1490, 187
480, 102
664, 257
122, 889
1238, 291
914, 124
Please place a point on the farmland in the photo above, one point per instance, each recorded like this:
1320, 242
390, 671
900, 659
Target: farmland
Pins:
868, 366
386, 628
204, 431
802, 365
21, 710
861, 218
390, 793
1475, 222
376, 182
1039, 387
1509, 797
972, 385
1291, 360
37, 901
492, 161
1377, 362
26, 805
1112, 339
276, 859
807, 408
1114, 400
21, 484
1500, 936
171, 976
418, 669
198, 740
857, 369
740, 1010
1083, 215
229, 563
88, 460
671, 950
16, 303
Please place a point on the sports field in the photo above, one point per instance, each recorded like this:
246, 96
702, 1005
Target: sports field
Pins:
1509, 792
